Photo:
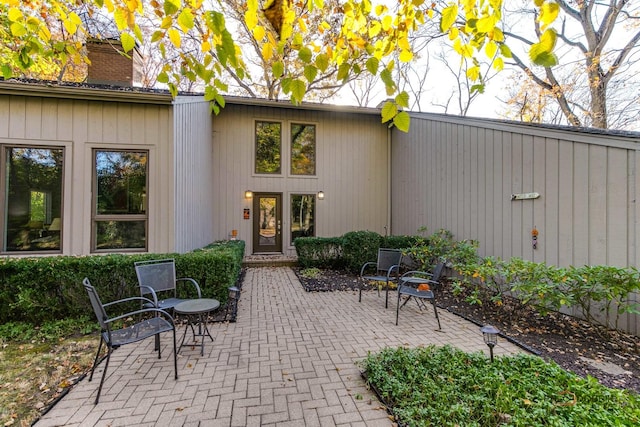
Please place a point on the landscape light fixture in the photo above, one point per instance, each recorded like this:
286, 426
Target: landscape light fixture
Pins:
248, 194
232, 304
490, 335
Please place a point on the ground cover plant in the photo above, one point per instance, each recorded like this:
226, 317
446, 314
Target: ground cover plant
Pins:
37, 365
445, 386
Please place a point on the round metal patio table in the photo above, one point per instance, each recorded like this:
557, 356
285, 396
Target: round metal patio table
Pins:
199, 310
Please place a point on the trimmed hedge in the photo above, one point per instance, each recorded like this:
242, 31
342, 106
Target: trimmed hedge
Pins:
350, 251
41, 289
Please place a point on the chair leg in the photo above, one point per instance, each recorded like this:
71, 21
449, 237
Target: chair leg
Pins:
175, 354
360, 293
435, 310
398, 308
95, 361
386, 296
157, 338
104, 373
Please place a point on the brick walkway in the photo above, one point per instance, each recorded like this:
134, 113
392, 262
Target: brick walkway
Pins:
287, 361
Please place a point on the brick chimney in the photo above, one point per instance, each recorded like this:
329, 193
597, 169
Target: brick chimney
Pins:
111, 67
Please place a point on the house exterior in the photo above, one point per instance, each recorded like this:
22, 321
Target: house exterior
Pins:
94, 170
87, 169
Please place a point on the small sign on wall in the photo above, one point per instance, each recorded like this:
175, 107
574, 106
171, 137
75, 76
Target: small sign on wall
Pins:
525, 196
246, 214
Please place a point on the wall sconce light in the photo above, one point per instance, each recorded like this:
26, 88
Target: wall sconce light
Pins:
490, 335
320, 195
248, 194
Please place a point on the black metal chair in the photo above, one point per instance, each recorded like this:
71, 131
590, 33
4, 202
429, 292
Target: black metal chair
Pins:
420, 286
158, 279
387, 269
113, 336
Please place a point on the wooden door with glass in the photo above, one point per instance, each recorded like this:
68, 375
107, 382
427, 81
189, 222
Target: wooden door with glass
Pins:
267, 222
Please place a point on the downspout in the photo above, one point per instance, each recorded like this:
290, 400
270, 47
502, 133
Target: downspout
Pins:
388, 230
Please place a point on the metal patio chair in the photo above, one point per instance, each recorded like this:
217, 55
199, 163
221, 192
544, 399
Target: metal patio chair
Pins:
158, 279
420, 286
386, 269
118, 330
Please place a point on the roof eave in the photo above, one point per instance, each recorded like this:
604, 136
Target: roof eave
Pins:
84, 93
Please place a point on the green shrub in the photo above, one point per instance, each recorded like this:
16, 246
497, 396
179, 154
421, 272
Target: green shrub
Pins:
320, 252
445, 386
359, 247
37, 290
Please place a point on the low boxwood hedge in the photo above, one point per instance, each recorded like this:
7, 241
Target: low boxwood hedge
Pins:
41, 289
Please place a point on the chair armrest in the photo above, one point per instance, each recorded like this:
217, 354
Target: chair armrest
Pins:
365, 266
193, 282
152, 292
422, 275
142, 311
391, 269
121, 301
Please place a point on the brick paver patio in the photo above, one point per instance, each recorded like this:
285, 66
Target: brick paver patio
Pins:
289, 360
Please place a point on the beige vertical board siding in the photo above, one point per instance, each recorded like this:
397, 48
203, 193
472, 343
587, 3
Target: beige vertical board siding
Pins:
192, 162
548, 239
566, 209
586, 213
352, 170
80, 126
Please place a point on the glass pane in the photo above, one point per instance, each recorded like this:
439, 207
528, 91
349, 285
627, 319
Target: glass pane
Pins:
34, 199
122, 182
268, 137
303, 210
303, 149
267, 221
120, 235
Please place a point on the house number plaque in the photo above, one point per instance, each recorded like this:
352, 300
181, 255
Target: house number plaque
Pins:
525, 196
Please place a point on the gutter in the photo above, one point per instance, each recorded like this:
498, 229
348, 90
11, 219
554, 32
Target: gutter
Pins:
87, 93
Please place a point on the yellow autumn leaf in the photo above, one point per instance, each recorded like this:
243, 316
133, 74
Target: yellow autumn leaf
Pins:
498, 64
251, 19
205, 46
454, 33
406, 56
387, 21
258, 32
303, 25
15, 14
375, 28
174, 36
490, 49
267, 51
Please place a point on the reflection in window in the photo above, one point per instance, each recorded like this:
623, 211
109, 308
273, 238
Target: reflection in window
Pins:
120, 215
268, 138
303, 209
303, 149
33, 199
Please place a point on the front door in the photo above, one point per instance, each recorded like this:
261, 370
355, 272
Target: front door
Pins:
267, 222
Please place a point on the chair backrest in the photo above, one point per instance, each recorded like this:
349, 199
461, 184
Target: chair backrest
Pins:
160, 275
98, 308
387, 258
437, 271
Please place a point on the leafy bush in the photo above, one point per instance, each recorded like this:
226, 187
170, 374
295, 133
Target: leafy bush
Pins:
320, 252
445, 386
359, 247
41, 289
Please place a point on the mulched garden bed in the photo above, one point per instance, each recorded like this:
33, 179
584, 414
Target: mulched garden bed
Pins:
564, 339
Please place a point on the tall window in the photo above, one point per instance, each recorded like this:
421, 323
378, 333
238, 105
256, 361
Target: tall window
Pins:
268, 147
120, 200
303, 149
32, 198
303, 212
